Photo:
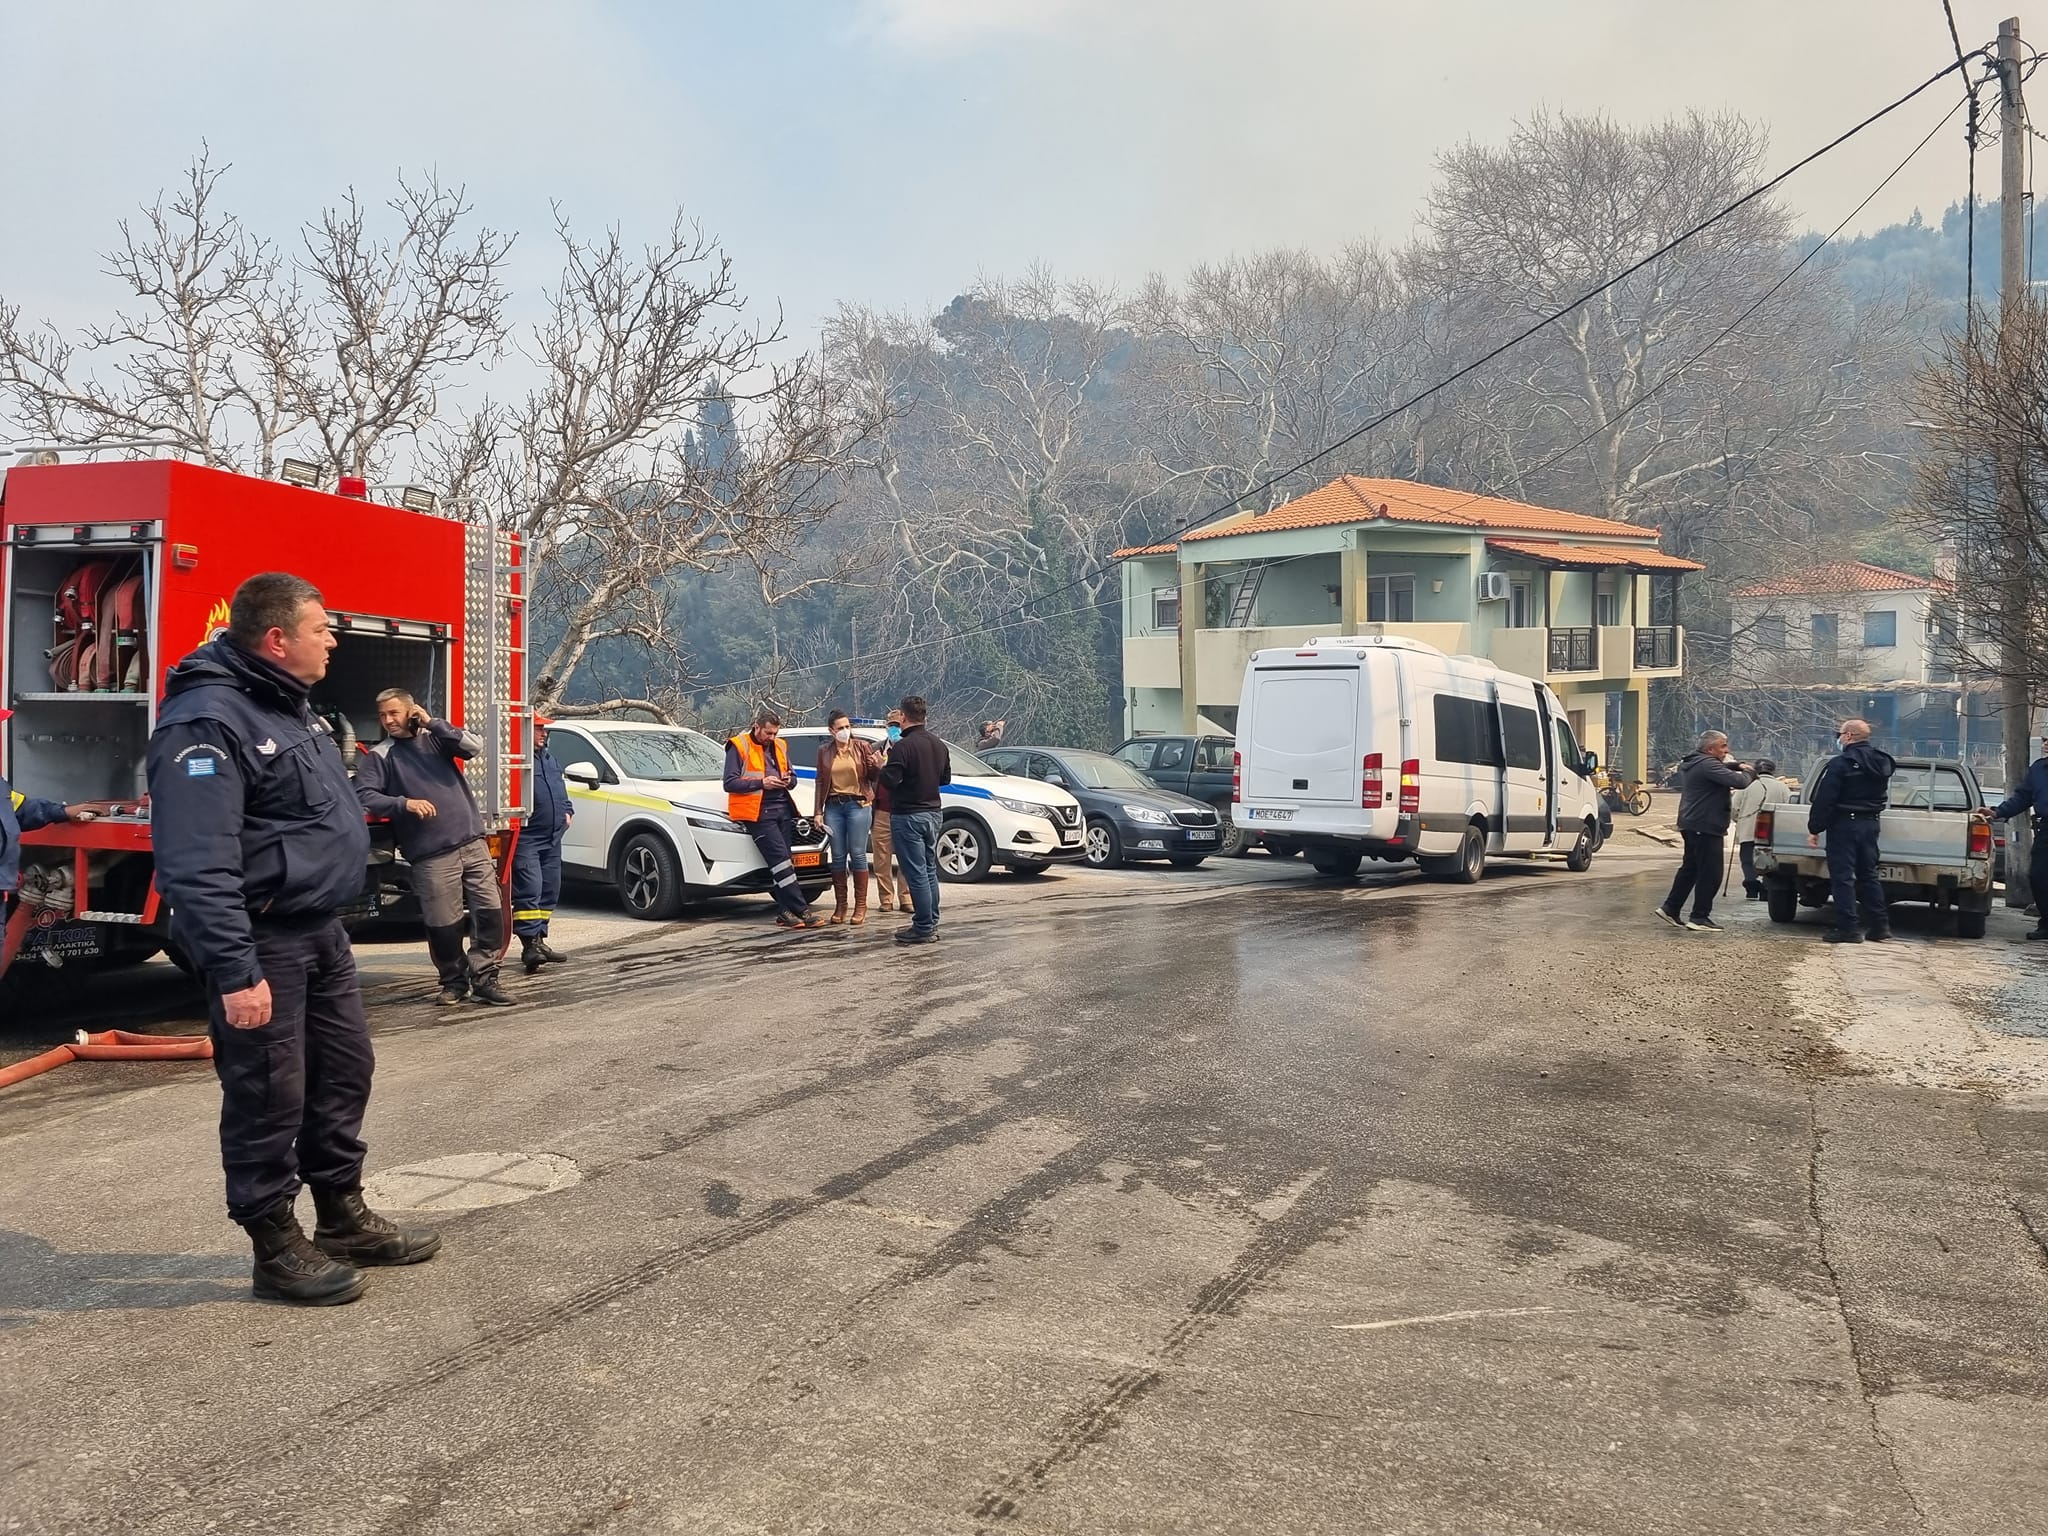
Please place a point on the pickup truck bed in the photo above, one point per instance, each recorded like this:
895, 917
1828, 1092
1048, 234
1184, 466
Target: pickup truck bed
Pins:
1932, 847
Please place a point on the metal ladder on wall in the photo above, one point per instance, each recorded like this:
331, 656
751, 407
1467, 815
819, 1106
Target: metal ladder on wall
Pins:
1247, 599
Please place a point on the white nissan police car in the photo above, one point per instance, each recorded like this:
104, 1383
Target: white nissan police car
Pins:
990, 817
649, 804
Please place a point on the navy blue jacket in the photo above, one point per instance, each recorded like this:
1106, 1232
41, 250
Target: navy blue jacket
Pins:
424, 766
2032, 795
1707, 788
551, 807
1856, 781
19, 814
251, 809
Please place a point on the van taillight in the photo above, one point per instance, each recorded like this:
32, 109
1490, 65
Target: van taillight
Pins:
1411, 787
1980, 839
1372, 791
1766, 826
1236, 778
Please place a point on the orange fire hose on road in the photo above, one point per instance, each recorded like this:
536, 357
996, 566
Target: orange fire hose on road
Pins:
111, 1045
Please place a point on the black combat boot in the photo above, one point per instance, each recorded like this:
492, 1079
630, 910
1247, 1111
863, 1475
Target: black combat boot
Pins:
549, 955
289, 1268
533, 955
351, 1231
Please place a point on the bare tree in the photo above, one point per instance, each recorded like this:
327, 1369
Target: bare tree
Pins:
612, 497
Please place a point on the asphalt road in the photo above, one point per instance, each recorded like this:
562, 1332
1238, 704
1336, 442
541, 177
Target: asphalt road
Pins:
1233, 1201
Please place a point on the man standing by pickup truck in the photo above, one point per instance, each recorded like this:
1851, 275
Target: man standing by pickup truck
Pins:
2032, 795
1847, 800
1707, 783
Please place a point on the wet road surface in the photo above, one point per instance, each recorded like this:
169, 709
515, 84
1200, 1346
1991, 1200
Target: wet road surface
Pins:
1235, 1202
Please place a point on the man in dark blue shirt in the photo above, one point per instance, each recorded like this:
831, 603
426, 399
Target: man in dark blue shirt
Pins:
1848, 798
2032, 795
537, 861
259, 844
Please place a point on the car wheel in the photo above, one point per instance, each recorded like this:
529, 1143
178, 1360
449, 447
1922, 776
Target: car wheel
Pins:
650, 878
1580, 859
963, 852
1467, 865
1338, 866
1782, 902
1236, 842
1191, 861
1101, 848
1970, 925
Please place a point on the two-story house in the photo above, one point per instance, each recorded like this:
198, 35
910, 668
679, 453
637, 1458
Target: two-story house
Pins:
1812, 648
1588, 604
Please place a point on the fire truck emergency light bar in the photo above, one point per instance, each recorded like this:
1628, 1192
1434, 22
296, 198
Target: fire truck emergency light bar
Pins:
405, 629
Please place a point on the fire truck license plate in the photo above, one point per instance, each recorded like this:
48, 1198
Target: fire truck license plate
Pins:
807, 860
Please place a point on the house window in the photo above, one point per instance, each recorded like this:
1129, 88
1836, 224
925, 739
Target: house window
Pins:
1521, 604
1390, 599
1769, 632
1607, 601
1881, 629
1827, 629
1166, 607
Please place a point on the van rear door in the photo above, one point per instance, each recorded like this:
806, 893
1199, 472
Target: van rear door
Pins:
1302, 745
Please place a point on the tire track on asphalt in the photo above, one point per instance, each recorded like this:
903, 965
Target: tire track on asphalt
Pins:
1322, 1210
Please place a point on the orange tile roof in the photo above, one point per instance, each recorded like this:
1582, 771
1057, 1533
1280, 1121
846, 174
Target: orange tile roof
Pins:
1634, 558
1144, 549
1841, 576
1357, 499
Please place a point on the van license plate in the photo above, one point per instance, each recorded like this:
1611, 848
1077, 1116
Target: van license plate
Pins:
808, 860
1268, 813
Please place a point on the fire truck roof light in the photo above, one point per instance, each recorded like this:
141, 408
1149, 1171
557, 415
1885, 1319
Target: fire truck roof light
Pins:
299, 472
355, 487
417, 498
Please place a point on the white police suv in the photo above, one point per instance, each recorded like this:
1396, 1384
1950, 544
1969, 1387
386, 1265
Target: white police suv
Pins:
990, 818
649, 803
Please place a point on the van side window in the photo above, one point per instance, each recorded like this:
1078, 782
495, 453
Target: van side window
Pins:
1569, 757
1464, 731
1524, 736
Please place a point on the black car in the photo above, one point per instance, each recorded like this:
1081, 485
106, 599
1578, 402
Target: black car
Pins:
1126, 815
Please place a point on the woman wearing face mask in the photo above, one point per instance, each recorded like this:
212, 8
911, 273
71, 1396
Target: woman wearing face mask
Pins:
882, 846
848, 770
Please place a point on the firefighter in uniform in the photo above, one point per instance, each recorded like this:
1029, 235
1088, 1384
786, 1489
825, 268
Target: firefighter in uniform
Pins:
757, 784
259, 843
537, 861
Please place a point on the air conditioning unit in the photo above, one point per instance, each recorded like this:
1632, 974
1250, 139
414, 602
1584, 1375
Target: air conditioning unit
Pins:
1493, 586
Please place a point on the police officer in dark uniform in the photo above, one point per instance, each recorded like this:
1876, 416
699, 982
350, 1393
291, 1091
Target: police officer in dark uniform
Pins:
537, 861
1847, 799
259, 843
2032, 795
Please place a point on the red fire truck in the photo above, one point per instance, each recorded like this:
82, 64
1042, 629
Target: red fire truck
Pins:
112, 572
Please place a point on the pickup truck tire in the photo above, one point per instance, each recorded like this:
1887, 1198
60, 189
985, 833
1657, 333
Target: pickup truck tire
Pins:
1782, 902
1336, 865
964, 850
1465, 867
1236, 842
1101, 848
1580, 859
1970, 925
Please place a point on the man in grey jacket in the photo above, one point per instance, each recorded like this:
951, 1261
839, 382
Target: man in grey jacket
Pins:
1707, 781
414, 777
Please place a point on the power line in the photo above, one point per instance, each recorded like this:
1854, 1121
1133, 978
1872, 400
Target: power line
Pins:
1025, 617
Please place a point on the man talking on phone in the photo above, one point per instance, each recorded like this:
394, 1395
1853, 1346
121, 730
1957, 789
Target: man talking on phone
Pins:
259, 845
414, 777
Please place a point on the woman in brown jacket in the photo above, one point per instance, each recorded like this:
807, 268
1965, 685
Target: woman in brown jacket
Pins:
848, 769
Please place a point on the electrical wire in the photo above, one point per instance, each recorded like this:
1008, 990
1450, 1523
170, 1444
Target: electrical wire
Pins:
1025, 617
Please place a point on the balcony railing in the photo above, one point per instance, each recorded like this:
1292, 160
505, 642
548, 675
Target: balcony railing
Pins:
1574, 650
1656, 648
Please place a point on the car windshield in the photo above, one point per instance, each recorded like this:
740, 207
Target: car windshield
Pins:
1098, 770
665, 753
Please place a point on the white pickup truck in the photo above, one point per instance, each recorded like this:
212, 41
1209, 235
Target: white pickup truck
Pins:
1932, 846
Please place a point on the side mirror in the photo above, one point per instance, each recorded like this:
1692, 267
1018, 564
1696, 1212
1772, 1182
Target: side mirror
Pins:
1056, 777
585, 774
1591, 765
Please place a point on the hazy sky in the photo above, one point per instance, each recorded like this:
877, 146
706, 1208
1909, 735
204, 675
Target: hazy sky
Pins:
890, 150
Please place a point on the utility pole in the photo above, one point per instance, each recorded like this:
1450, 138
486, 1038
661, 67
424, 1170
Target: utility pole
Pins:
2016, 703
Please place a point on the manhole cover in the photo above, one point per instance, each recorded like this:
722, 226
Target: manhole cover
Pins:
469, 1180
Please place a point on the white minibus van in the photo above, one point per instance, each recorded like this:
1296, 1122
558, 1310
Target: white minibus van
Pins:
1378, 746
